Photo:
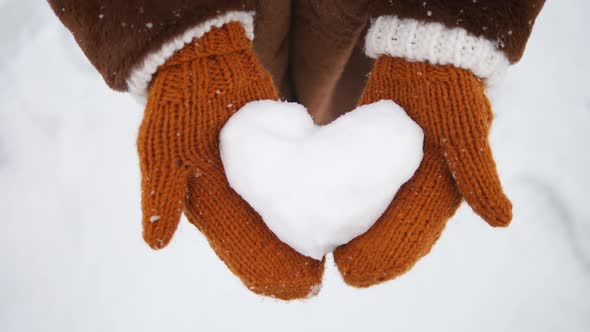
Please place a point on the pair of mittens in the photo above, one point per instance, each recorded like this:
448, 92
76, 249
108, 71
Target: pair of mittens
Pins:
198, 89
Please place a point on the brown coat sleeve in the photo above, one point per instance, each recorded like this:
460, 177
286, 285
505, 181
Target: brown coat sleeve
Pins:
323, 38
508, 23
115, 35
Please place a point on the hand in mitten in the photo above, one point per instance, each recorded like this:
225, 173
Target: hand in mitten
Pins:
190, 99
451, 107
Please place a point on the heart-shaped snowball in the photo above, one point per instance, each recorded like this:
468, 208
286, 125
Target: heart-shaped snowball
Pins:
319, 187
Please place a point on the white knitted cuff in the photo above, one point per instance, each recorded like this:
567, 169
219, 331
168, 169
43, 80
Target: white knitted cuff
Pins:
435, 43
140, 77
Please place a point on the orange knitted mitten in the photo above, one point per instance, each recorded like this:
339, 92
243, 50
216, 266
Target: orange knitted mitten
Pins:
190, 99
451, 107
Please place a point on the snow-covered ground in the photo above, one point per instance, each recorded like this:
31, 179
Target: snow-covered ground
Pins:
72, 257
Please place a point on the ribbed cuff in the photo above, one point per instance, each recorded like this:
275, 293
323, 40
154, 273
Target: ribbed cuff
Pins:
141, 76
420, 41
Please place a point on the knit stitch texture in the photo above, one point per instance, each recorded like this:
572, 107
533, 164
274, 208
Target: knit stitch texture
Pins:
451, 107
189, 101
421, 41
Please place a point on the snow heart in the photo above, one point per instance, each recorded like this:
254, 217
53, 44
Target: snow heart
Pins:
319, 187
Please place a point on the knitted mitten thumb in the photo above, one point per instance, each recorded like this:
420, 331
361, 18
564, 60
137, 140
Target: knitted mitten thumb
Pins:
450, 105
190, 99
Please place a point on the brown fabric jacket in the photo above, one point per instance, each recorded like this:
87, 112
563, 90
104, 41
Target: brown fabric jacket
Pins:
313, 49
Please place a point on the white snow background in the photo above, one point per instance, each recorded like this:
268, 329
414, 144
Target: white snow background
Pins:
72, 257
